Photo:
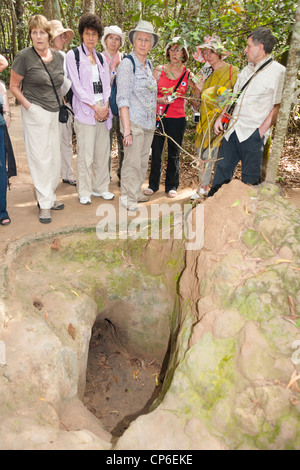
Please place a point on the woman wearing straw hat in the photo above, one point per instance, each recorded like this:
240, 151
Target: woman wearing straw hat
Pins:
215, 88
173, 82
62, 37
112, 41
136, 99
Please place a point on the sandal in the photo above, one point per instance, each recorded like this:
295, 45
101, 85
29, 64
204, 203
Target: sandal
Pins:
5, 221
148, 192
71, 182
172, 193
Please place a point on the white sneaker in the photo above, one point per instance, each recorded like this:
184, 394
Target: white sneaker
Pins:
105, 194
195, 196
85, 200
203, 192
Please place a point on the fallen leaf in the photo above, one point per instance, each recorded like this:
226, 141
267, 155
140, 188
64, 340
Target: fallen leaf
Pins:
56, 244
116, 378
28, 268
291, 305
74, 292
293, 381
283, 261
246, 210
236, 203
266, 238
71, 331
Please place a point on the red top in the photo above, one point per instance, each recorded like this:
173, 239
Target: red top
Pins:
166, 86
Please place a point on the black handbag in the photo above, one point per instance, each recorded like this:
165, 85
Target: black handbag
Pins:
64, 110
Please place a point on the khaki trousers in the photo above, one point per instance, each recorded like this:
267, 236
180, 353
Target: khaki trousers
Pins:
66, 150
93, 150
135, 163
42, 143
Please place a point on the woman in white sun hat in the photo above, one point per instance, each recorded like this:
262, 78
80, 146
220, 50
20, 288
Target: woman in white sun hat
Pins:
62, 38
136, 100
112, 41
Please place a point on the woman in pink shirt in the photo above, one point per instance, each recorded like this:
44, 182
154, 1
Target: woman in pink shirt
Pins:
93, 118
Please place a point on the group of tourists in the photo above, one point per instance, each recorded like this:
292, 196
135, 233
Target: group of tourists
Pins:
151, 108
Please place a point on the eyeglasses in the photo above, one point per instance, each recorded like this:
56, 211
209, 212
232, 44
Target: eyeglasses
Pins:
146, 40
207, 52
63, 36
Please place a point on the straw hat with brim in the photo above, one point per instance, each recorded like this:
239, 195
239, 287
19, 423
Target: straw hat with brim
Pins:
144, 27
57, 29
211, 42
179, 41
113, 30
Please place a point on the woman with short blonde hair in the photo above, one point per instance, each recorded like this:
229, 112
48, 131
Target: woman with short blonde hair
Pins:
32, 87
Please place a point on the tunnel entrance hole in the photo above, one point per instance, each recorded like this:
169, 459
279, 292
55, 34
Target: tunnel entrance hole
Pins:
123, 378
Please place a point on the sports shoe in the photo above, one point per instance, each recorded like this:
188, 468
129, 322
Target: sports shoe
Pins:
45, 216
203, 192
132, 207
57, 206
142, 198
85, 200
105, 194
71, 182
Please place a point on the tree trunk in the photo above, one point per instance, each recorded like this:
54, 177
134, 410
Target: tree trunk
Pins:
89, 6
47, 9
286, 102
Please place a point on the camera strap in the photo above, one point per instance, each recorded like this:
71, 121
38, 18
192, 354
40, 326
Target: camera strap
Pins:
177, 85
231, 108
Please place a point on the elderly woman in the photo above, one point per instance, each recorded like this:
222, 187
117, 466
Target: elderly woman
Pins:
112, 41
93, 119
31, 85
215, 87
61, 38
136, 99
173, 82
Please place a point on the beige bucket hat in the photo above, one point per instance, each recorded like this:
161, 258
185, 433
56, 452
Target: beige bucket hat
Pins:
144, 27
57, 29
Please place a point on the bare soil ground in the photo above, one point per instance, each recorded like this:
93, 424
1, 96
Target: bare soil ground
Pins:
119, 387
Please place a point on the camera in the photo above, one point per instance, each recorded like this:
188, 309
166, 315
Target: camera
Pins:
225, 120
97, 88
197, 117
170, 99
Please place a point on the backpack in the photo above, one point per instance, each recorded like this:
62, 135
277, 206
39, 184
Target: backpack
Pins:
113, 94
69, 95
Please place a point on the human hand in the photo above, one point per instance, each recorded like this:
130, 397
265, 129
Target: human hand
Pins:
218, 126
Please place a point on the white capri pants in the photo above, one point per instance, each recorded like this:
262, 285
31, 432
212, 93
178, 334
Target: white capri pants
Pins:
42, 143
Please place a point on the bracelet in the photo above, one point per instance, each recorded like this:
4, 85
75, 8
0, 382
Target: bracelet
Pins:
7, 113
127, 135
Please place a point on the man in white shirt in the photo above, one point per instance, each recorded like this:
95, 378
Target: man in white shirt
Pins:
255, 112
